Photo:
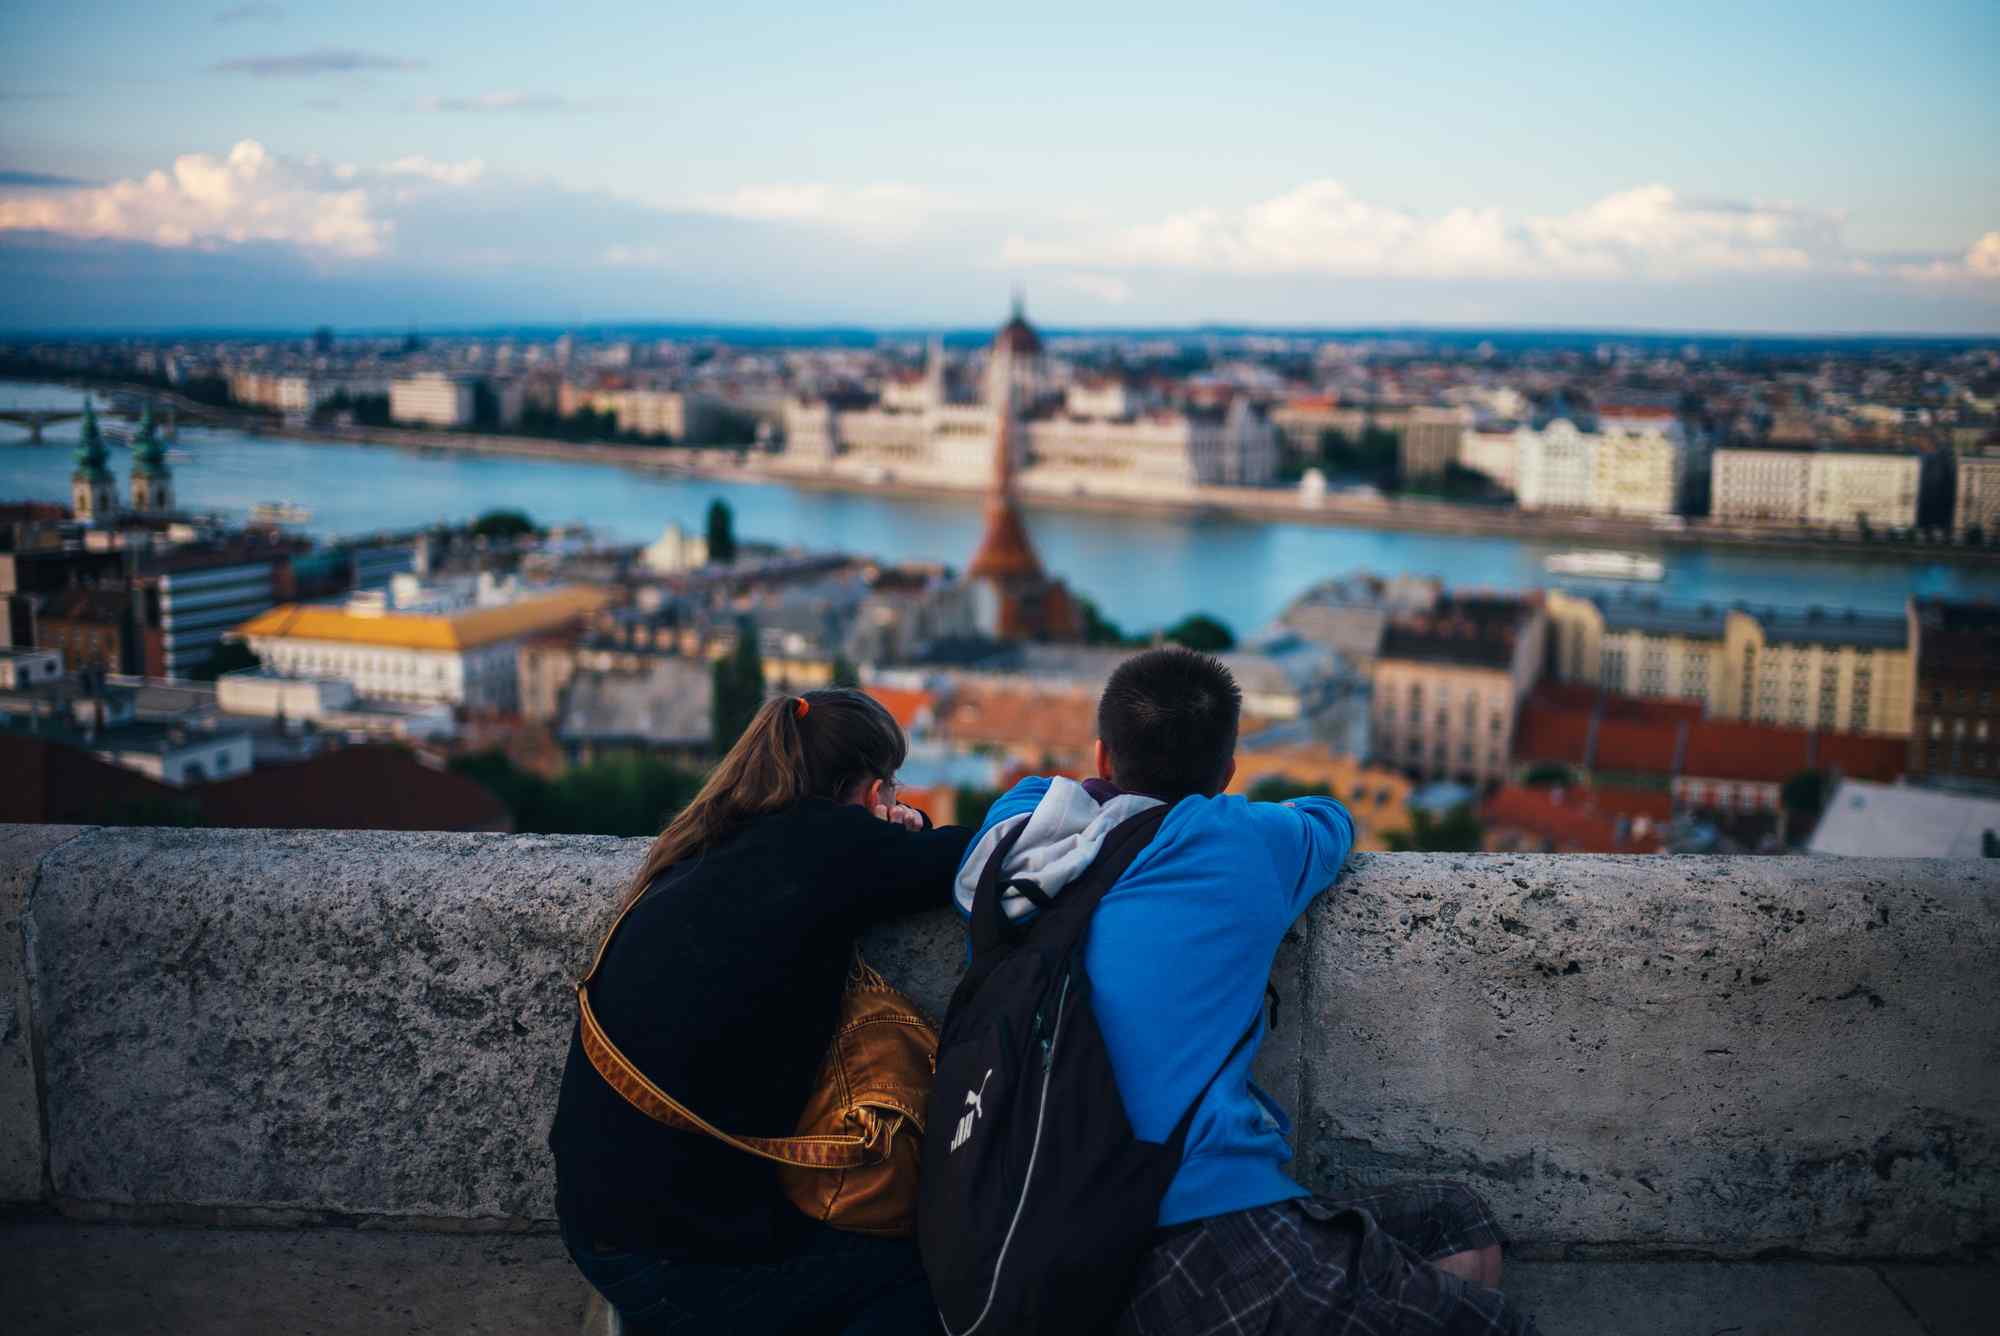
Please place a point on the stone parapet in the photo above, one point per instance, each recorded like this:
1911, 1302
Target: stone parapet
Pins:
1627, 1056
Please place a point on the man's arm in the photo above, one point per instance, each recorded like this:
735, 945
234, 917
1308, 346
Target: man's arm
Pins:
1309, 840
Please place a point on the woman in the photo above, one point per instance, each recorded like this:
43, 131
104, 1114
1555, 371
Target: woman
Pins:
721, 986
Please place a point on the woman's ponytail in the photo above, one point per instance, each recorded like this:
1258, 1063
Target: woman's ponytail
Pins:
816, 745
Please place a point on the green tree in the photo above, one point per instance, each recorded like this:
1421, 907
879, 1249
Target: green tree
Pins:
1546, 774
1200, 631
1278, 788
632, 793
503, 524
1457, 832
1804, 792
228, 657
721, 532
739, 688
845, 674
1099, 629
970, 805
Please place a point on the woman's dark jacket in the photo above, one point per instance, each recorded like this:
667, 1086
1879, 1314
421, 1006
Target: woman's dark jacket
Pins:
722, 986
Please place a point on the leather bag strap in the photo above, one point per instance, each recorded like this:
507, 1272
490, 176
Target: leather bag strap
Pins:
845, 1151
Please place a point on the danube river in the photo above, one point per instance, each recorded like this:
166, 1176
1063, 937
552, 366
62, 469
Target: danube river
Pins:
1144, 570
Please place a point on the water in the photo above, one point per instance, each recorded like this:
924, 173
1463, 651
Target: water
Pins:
1143, 570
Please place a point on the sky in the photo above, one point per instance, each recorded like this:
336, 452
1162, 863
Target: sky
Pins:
1826, 167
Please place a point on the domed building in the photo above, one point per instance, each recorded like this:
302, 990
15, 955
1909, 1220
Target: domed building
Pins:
152, 480
93, 492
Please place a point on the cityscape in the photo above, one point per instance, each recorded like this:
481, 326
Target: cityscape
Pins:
1681, 661
1135, 668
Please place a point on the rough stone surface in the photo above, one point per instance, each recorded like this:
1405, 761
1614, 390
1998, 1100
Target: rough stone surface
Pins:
1722, 1056
1725, 1055
22, 1151
1707, 1299
63, 1279
346, 1022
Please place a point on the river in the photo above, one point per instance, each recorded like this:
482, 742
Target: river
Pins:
1144, 570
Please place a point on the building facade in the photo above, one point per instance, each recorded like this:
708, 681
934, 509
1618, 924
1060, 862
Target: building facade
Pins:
1628, 469
1976, 508
1448, 684
1833, 671
449, 645
1494, 452
431, 398
1848, 489
186, 601
1955, 725
1430, 441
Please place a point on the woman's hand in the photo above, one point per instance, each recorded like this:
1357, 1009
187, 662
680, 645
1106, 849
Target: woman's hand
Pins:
909, 818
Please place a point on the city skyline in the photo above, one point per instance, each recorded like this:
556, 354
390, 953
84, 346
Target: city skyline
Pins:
256, 165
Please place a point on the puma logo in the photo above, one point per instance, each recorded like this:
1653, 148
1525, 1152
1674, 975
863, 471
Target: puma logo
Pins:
975, 1103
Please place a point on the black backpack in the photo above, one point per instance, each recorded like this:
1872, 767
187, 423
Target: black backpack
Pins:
1037, 1200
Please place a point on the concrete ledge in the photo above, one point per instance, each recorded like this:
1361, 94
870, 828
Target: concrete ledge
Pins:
23, 1148
1627, 1056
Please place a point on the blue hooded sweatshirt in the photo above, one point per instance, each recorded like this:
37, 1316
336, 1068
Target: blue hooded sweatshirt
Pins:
1179, 953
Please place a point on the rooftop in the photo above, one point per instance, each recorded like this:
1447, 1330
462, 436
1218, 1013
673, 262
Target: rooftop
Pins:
529, 615
1478, 631
1890, 820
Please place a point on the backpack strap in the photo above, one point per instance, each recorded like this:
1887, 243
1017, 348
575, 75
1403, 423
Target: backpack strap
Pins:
1187, 1119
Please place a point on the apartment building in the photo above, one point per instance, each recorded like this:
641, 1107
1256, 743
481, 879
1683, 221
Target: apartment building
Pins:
1430, 441
1977, 506
431, 398
1493, 451
184, 602
1825, 488
1555, 467
1836, 671
1955, 724
1448, 683
456, 644
1626, 469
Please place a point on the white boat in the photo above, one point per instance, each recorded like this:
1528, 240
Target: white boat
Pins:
1606, 565
279, 512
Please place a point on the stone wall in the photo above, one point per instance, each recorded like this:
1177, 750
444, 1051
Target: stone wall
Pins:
1626, 1055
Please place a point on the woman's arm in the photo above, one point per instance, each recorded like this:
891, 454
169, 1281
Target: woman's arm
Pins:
883, 870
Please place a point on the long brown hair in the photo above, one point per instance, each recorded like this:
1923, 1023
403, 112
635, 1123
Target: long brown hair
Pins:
819, 745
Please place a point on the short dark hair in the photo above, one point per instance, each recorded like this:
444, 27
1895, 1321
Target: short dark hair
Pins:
1168, 718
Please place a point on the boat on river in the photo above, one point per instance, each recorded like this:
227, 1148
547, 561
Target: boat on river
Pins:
280, 512
1606, 565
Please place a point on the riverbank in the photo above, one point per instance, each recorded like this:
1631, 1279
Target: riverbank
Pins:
1093, 495
1081, 494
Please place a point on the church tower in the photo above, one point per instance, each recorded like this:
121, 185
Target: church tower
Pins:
1018, 599
93, 493
152, 480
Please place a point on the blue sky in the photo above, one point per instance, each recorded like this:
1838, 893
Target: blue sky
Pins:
1832, 166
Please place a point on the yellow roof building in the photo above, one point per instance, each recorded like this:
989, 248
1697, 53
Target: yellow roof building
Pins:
456, 631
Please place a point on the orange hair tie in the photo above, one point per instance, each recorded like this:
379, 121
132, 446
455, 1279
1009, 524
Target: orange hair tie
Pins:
804, 705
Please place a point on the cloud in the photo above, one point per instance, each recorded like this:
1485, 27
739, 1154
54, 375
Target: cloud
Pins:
884, 211
1650, 232
251, 195
1984, 257
508, 101
312, 64
35, 180
1102, 287
251, 13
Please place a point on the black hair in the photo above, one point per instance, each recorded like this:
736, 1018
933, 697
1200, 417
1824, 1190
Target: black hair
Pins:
1168, 718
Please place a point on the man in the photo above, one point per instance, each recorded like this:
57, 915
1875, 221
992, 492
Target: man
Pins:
1179, 953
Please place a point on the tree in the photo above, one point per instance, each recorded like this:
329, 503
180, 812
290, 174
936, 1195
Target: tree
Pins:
1200, 631
721, 532
1279, 788
1804, 792
970, 805
739, 688
1457, 832
228, 657
632, 793
845, 674
1547, 774
503, 524
1099, 629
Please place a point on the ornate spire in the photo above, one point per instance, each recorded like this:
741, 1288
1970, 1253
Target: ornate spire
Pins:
1005, 553
149, 456
91, 459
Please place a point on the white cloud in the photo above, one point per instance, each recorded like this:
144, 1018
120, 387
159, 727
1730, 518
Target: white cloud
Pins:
249, 195
512, 100
1984, 257
1322, 228
444, 173
883, 211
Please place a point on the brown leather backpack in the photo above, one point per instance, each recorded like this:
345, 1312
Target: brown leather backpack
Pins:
852, 1162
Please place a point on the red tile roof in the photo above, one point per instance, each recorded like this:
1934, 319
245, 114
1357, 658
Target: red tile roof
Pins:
353, 788
905, 703
1574, 820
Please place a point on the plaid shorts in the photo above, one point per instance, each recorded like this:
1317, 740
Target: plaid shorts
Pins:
1358, 1265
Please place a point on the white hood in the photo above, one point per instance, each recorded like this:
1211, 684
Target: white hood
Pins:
1063, 835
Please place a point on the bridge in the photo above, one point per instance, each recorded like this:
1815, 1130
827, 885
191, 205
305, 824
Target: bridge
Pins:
36, 419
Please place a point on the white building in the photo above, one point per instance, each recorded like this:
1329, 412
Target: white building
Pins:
432, 398
29, 667
456, 644
1628, 469
174, 755
1493, 451
674, 551
1826, 488
1555, 467
1890, 821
